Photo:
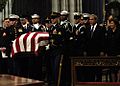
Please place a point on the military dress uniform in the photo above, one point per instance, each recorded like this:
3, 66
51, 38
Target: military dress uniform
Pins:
79, 39
15, 31
55, 51
16, 28
67, 48
5, 54
36, 26
67, 26
27, 28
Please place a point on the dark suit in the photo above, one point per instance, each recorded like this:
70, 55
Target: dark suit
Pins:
94, 46
95, 43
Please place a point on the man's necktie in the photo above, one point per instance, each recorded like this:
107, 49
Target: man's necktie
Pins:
92, 30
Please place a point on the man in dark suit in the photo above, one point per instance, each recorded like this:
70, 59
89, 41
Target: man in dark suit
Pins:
94, 46
95, 37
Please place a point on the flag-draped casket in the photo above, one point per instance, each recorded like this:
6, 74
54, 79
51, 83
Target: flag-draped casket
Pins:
30, 42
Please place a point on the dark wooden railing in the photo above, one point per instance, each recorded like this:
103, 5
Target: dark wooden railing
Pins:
92, 62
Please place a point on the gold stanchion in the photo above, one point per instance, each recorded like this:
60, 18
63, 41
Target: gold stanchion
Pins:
59, 73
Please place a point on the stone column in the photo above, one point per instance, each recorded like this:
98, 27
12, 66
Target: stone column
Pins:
80, 6
6, 10
1, 18
71, 11
10, 6
66, 5
63, 5
3, 14
55, 5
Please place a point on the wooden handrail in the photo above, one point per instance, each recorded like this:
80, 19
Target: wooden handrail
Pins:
92, 61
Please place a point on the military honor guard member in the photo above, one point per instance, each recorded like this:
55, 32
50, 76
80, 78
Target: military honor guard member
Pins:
5, 48
65, 76
56, 49
26, 25
67, 26
15, 26
36, 23
79, 31
47, 24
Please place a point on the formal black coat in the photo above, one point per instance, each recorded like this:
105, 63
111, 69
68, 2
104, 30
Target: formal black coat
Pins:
95, 44
112, 42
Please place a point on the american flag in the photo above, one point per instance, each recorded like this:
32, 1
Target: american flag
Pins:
29, 42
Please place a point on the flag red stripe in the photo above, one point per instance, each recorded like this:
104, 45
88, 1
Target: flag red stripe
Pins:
24, 39
33, 42
17, 45
35, 38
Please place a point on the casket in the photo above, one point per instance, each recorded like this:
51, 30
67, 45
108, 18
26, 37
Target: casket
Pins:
29, 42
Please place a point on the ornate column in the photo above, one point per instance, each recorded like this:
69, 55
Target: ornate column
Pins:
63, 5
6, 10
55, 5
66, 5
80, 6
3, 14
10, 6
1, 18
2, 5
71, 11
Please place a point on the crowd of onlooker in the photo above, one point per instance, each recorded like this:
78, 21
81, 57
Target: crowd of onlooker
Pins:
86, 37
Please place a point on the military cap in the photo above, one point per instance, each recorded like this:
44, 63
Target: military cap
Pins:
76, 15
13, 16
54, 15
21, 19
35, 16
64, 13
47, 20
86, 15
25, 16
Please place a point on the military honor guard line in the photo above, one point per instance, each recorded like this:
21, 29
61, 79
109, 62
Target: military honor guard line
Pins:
42, 50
